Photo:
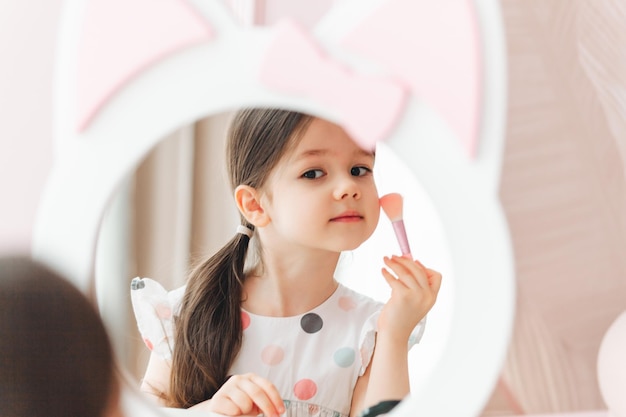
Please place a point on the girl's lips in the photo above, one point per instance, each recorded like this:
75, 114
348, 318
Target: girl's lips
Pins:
351, 216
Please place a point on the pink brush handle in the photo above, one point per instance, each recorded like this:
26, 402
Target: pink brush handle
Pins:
398, 228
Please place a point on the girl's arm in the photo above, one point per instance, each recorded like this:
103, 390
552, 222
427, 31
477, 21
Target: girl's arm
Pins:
156, 380
387, 377
414, 290
389, 371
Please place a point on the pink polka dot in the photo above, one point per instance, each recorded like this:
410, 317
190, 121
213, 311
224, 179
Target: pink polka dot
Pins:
272, 355
305, 389
148, 343
163, 311
245, 320
346, 303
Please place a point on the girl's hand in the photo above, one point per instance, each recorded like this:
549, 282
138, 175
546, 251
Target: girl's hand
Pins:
247, 395
414, 289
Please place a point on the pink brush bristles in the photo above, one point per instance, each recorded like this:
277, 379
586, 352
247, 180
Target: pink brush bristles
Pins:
392, 206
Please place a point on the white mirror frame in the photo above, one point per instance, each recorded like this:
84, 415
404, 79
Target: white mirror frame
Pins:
200, 81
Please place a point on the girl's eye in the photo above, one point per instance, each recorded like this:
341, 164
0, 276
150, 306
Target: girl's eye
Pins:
313, 174
359, 171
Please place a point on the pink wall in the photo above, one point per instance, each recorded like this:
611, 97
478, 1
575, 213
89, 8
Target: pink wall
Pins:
27, 40
560, 262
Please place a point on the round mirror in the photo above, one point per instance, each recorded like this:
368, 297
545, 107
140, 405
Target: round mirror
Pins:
113, 109
177, 207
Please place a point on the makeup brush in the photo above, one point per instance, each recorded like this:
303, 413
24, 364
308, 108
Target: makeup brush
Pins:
392, 206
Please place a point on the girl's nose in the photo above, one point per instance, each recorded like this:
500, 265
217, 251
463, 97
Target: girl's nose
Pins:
347, 188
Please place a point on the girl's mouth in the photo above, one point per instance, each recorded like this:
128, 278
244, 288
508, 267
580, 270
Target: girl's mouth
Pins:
347, 217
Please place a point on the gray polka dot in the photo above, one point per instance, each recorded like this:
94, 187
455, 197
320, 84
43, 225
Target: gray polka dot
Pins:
311, 323
137, 284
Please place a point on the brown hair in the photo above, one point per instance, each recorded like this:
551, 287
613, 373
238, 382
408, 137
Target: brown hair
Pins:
208, 331
55, 355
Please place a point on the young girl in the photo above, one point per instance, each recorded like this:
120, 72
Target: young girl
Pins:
272, 331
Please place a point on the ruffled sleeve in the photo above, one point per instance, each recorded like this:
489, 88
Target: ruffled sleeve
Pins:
368, 338
155, 309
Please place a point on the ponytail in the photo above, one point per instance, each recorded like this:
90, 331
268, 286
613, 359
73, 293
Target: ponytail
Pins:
208, 330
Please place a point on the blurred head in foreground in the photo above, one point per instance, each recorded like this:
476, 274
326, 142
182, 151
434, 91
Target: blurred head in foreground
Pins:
55, 355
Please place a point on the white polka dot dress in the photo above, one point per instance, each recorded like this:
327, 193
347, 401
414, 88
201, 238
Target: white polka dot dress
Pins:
314, 359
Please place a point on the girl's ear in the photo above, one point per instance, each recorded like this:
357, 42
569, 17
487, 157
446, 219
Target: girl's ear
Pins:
248, 201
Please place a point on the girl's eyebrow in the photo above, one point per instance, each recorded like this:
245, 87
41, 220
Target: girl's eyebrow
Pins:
321, 152
312, 152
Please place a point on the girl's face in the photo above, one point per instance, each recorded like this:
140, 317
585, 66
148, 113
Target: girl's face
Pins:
322, 193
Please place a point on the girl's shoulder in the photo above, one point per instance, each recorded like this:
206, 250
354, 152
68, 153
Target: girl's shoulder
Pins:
155, 308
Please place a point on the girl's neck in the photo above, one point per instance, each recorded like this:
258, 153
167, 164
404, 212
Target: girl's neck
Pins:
289, 287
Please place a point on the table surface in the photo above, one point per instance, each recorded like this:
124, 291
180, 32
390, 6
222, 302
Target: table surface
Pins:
594, 413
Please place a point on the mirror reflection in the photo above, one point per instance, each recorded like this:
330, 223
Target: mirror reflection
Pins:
178, 209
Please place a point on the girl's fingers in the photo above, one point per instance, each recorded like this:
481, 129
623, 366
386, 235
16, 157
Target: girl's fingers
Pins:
271, 393
231, 403
238, 402
407, 271
434, 279
393, 282
420, 264
249, 394
421, 273
402, 274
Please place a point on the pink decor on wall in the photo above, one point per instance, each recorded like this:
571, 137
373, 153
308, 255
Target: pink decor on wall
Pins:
122, 38
440, 59
369, 106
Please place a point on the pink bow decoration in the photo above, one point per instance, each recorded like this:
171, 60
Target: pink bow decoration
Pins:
368, 106
121, 39
434, 48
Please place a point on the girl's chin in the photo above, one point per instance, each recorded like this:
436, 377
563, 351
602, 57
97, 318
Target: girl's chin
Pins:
350, 246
